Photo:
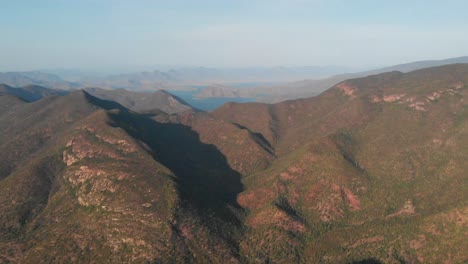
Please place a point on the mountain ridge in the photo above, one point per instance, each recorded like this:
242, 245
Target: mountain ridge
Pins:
372, 169
310, 87
143, 101
159, 101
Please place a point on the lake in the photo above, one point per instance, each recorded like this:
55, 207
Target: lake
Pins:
206, 104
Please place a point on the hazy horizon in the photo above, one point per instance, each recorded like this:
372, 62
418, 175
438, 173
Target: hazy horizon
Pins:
105, 35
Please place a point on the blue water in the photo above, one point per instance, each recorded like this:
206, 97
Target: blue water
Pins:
206, 104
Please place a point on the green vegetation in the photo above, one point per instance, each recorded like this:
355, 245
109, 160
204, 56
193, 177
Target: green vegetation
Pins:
371, 171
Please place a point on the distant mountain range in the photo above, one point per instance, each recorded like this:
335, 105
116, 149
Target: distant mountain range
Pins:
373, 170
175, 79
264, 84
19, 79
204, 75
308, 88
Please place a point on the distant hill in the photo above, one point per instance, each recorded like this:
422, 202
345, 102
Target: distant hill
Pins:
412, 66
30, 92
177, 79
143, 101
219, 91
20, 79
136, 101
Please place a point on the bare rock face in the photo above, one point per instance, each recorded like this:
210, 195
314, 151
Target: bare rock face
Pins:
347, 89
373, 169
408, 209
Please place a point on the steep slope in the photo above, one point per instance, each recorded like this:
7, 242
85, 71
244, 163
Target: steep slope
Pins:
8, 102
143, 101
25, 129
85, 180
245, 151
373, 169
257, 117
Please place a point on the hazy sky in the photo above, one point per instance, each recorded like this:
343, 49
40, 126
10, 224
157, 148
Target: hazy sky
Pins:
99, 34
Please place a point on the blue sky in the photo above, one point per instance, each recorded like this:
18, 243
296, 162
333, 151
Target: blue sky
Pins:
133, 34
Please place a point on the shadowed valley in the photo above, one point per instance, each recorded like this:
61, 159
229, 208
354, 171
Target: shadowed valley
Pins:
373, 170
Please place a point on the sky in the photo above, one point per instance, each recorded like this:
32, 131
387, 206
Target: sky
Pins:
133, 34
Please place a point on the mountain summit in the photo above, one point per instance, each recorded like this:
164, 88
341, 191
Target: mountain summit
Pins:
373, 170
